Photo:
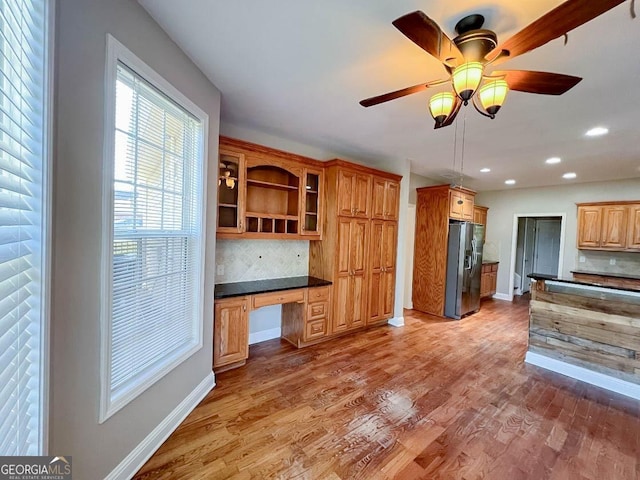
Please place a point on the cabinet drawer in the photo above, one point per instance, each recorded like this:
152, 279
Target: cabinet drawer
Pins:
494, 267
318, 293
315, 329
277, 298
317, 310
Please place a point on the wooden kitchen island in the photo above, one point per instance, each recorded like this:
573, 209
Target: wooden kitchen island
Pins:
586, 331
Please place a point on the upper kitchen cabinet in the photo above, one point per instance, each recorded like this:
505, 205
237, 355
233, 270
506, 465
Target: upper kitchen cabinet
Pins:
386, 197
633, 241
276, 194
461, 202
231, 187
354, 193
480, 215
610, 226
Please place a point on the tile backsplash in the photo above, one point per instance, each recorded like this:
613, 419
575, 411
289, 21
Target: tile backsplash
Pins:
245, 260
600, 262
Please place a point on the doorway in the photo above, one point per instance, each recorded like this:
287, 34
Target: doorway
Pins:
538, 245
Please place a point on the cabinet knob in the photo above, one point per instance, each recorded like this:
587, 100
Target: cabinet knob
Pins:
244, 307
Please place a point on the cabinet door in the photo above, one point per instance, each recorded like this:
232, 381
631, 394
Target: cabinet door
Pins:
311, 207
389, 235
346, 184
376, 280
231, 185
359, 300
589, 226
480, 215
485, 283
467, 207
391, 200
389, 293
362, 195
379, 203
230, 331
358, 235
455, 205
633, 241
343, 304
614, 227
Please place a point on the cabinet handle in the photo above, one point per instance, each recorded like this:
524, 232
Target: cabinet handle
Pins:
244, 307
240, 224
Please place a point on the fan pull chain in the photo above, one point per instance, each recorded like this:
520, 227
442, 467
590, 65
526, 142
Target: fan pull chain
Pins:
633, 9
455, 143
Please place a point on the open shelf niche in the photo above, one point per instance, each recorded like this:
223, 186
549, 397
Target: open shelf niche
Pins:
272, 200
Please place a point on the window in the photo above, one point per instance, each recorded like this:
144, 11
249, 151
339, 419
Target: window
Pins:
154, 250
24, 222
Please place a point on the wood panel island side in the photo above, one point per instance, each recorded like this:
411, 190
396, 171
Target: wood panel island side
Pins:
586, 331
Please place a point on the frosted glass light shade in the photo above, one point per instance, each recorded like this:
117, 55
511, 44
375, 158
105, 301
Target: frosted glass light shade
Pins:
492, 95
441, 106
467, 78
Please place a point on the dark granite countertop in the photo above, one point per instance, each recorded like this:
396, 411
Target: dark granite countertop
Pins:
490, 262
606, 274
238, 289
555, 278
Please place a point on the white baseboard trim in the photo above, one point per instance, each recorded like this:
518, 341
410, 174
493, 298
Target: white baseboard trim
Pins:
585, 375
396, 322
134, 461
264, 335
503, 296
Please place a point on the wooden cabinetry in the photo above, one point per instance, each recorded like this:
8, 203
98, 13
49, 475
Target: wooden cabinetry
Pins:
345, 255
231, 187
433, 211
633, 240
480, 215
488, 280
354, 194
267, 193
307, 321
384, 235
461, 203
613, 226
351, 293
230, 333
386, 197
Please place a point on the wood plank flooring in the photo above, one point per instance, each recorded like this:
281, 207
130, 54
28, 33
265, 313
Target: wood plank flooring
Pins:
434, 399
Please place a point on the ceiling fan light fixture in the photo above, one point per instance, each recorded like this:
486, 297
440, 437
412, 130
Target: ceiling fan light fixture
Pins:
441, 106
492, 95
466, 79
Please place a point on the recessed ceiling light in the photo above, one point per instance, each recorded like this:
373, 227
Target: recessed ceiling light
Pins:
597, 131
553, 160
569, 175
511, 181
485, 170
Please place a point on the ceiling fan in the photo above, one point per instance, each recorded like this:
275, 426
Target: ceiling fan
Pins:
467, 56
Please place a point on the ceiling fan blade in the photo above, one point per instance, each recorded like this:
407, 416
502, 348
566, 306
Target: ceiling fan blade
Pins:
369, 102
426, 33
554, 24
451, 117
544, 83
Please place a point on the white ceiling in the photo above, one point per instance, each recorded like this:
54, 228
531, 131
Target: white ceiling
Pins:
297, 70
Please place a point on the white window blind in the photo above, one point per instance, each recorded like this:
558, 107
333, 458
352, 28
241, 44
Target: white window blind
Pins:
156, 248
22, 224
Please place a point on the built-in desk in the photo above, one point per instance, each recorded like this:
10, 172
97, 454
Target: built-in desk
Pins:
305, 314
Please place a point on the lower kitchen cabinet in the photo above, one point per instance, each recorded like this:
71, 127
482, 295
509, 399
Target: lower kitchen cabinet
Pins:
230, 333
488, 280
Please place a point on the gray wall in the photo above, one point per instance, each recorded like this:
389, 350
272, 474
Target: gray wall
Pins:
504, 204
81, 30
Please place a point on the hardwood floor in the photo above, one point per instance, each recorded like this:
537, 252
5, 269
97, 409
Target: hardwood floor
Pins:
434, 399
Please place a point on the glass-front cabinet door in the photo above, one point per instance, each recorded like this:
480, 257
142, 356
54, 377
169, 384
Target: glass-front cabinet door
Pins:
231, 195
312, 193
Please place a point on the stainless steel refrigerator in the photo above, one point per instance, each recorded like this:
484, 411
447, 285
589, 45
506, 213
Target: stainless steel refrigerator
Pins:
464, 269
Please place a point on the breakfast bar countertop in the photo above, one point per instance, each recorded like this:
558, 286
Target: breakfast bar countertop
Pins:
238, 289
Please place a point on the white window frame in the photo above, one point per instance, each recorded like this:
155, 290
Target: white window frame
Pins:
118, 53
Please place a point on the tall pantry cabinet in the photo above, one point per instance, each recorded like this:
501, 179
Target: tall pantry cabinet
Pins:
358, 250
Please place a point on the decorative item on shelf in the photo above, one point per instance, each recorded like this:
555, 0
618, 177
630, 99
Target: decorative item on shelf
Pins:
225, 174
468, 56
